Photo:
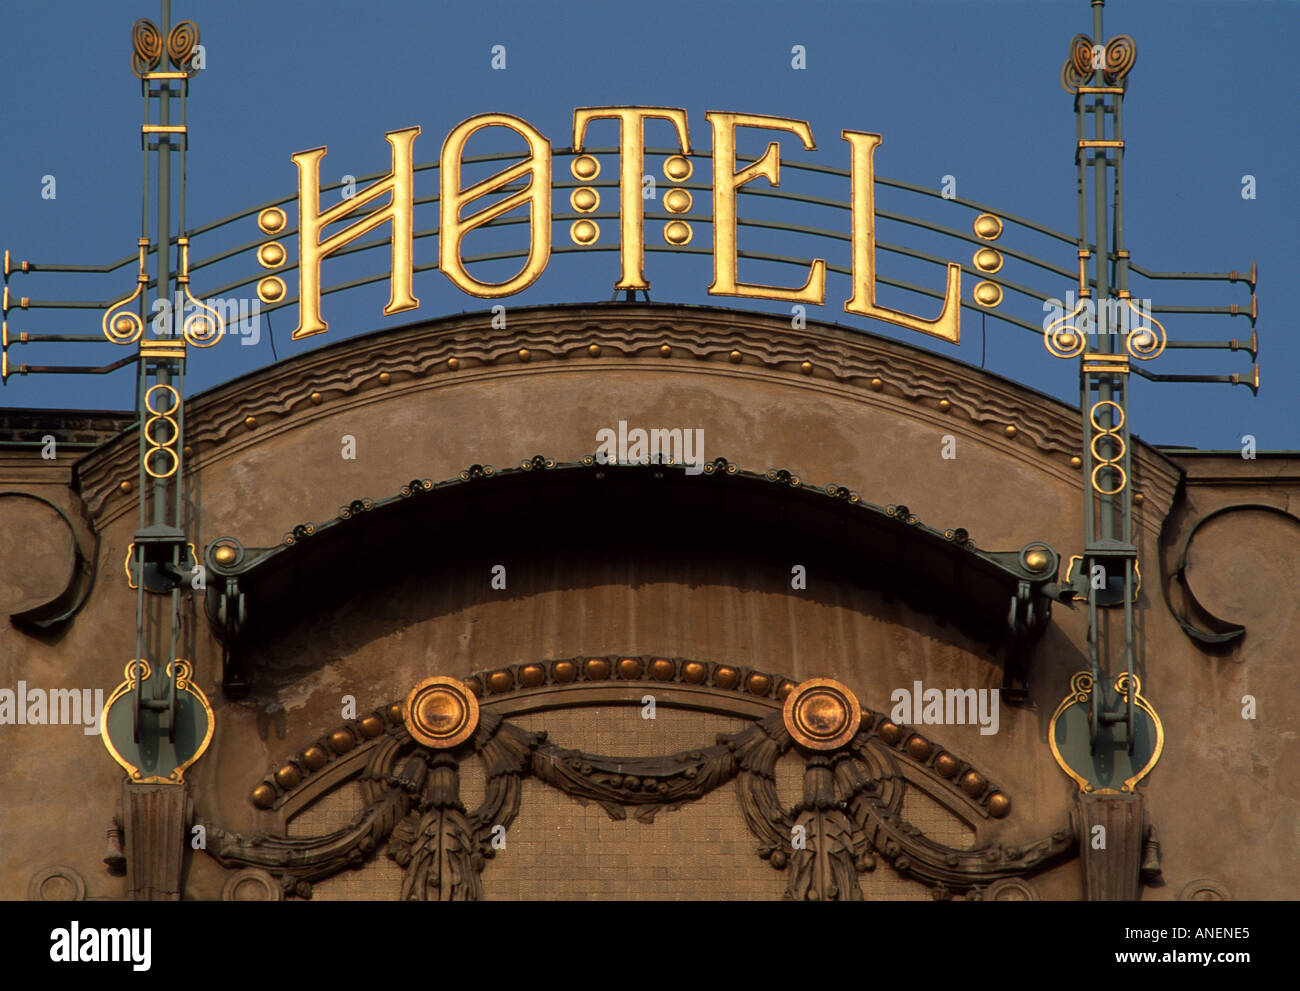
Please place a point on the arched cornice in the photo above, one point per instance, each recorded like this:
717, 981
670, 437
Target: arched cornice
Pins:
657, 339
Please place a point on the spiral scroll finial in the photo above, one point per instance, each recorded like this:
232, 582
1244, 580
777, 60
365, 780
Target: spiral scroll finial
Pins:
147, 46
180, 44
1081, 54
1077, 69
1121, 53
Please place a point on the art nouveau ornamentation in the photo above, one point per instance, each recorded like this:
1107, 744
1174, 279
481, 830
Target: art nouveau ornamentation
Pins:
407, 756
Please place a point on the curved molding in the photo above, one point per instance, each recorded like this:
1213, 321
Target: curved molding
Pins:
1228, 632
64, 606
339, 755
558, 339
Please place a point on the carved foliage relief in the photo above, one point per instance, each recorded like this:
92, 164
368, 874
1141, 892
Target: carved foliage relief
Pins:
857, 767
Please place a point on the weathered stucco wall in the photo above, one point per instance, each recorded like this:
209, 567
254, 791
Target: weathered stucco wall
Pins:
868, 413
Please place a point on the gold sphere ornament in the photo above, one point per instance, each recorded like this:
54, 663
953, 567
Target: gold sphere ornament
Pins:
584, 232
564, 671
987, 293
946, 764
988, 260
678, 168
891, 733
758, 684
677, 233
726, 678
584, 168
271, 289
224, 554
315, 758
987, 226
972, 783
806, 367
677, 201
441, 712
1037, 560
584, 199
821, 714
919, 748
271, 220
629, 669
270, 255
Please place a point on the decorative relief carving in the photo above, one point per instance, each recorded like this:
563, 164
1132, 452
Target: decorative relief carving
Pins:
56, 883
251, 885
1010, 890
1204, 890
1221, 631
850, 809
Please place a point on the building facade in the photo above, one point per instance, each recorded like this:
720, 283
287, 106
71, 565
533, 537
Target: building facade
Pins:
479, 661
636, 600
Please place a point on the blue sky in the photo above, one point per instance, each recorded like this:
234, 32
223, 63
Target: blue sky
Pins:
963, 89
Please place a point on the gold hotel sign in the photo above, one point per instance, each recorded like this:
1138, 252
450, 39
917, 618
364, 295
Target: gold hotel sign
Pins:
459, 218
